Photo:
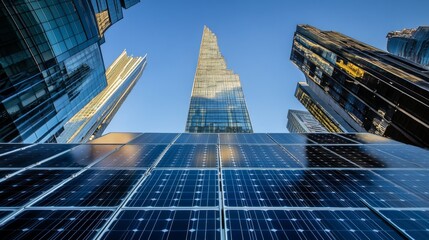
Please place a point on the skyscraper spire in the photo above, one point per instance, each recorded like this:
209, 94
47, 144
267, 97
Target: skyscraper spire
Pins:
217, 101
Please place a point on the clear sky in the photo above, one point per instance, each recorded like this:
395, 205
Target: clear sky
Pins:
255, 37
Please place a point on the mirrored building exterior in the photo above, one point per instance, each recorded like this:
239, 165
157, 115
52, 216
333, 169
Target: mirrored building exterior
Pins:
303, 122
217, 101
381, 92
412, 44
215, 186
50, 66
93, 119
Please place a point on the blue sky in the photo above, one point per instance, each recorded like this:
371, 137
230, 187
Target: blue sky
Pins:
255, 37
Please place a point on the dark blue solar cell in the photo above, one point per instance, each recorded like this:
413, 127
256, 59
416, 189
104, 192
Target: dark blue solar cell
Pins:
178, 188
416, 181
32, 155
317, 157
257, 156
132, 156
4, 213
28, 185
416, 155
245, 138
298, 224
190, 156
155, 138
80, 156
198, 138
313, 188
167, 224
5, 173
415, 223
94, 188
4, 148
328, 138
55, 224
369, 157
290, 138
368, 138
115, 138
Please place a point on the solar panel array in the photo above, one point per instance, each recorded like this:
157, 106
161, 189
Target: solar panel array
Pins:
215, 186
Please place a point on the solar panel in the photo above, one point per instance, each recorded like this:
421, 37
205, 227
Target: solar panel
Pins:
370, 158
94, 188
55, 224
316, 156
80, 156
303, 224
245, 138
197, 138
165, 138
33, 155
290, 138
413, 222
132, 156
313, 188
415, 181
25, 186
190, 156
115, 138
263, 156
328, 138
5, 173
177, 188
167, 224
4, 213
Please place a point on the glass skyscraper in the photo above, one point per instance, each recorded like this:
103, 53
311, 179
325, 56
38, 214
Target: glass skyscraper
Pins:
303, 122
412, 44
217, 101
381, 92
50, 65
92, 120
226, 186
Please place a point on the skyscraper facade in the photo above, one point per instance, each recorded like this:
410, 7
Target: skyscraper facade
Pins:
412, 44
303, 122
50, 66
92, 120
332, 117
382, 93
217, 101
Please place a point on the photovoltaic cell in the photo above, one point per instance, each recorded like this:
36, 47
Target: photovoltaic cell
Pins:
299, 224
190, 156
33, 155
178, 188
4, 173
167, 224
245, 138
413, 222
312, 156
262, 156
165, 138
132, 156
4, 148
370, 157
290, 138
408, 153
25, 186
80, 156
197, 138
313, 188
94, 188
55, 224
416, 181
328, 138
115, 138
4, 213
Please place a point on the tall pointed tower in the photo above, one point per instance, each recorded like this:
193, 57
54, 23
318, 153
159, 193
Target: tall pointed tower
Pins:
217, 101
